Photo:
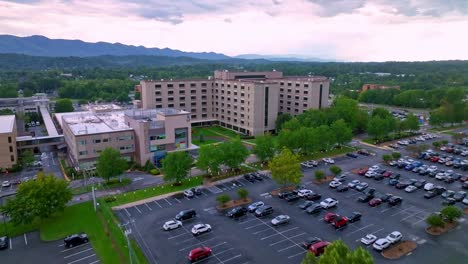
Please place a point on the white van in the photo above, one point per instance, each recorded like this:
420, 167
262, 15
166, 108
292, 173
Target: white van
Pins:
429, 186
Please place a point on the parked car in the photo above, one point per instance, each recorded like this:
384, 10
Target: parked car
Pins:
365, 198
381, 244
6, 184
314, 197
459, 196
283, 194
292, 197
199, 253
308, 242
342, 188
362, 171
410, 188
313, 209
353, 183
280, 220
329, 203
368, 239
361, 186
330, 217
263, 210
318, 248
75, 240
189, 194
186, 215
448, 201
375, 202
249, 177
237, 212
196, 191
352, 155
171, 224
363, 152
304, 192
384, 197
355, 216
4, 242
340, 222
395, 200
334, 184
199, 229
448, 194
306, 204
394, 237
328, 160
253, 206
420, 183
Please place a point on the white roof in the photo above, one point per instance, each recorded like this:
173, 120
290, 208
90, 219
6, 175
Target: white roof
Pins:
84, 123
6, 123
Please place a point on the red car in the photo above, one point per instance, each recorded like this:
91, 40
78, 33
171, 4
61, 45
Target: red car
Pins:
330, 217
340, 222
387, 174
362, 171
435, 159
199, 253
319, 247
464, 179
375, 202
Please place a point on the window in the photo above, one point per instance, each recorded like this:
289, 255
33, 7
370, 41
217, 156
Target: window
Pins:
128, 147
203, 103
281, 95
320, 96
157, 86
306, 85
204, 110
289, 97
181, 98
266, 106
193, 85
158, 106
96, 141
97, 151
204, 115
82, 142
305, 98
12, 158
281, 90
203, 85
170, 105
158, 99
181, 91
296, 104
9, 139
170, 99
289, 90
193, 91
304, 105
194, 116
170, 85
11, 149
182, 105
296, 97
157, 93
181, 85
122, 138
281, 101
193, 104
297, 84
297, 91
306, 92
106, 140
170, 92
296, 110
203, 91
203, 97
82, 153
157, 148
289, 84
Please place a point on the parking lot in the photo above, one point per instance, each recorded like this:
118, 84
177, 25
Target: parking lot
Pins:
255, 240
28, 248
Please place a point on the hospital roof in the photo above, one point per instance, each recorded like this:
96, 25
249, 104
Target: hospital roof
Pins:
85, 123
6, 123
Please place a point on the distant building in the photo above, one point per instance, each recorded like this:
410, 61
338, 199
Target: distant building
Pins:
246, 102
137, 88
25, 104
8, 153
366, 87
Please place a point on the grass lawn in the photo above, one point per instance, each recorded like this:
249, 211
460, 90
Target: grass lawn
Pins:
114, 183
333, 152
212, 131
206, 142
82, 218
155, 191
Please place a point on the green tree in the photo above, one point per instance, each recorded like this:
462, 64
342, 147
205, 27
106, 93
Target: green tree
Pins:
435, 220
396, 155
110, 164
309, 258
234, 153
437, 144
285, 168
387, 157
377, 127
451, 213
223, 199
209, 159
319, 175
343, 133
411, 122
37, 199
361, 256
281, 119
26, 158
437, 117
6, 111
335, 170
338, 252
264, 147
176, 166
242, 193
63, 106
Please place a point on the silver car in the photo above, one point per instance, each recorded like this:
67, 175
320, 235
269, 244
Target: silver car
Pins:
280, 219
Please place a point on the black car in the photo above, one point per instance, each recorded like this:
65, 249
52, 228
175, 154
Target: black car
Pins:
363, 152
237, 212
423, 172
393, 182
352, 155
249, 177
283, 195
449, 201
395, 176
313, 209
4, 242
257, 177
432, 174
439, 189
314, 197
430, 194
310, 241
292, 197
369, 192
384, 197
263, 210
419, 184
342, 188
356, 216
365, 199
306, 204
449, 180
402, 184
75, 240
394, 200
459, 196
196, 191
378, 177
186, 215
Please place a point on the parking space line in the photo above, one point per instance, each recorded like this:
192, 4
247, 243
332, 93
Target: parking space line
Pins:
68, 249
362, 228
74, 254
94, 262
81, 259
148, 207
295, 255
411, 215
277, 242
373, 233
201, 242
286, 248
297, 235
220, 244
258, 232
167, 201
245, 222
401, 211
172, 237
229, 259
419, 221
386, 209
156, 202
221, 252
25, 239
186, 198
136, 207
352, 195
177, 200
183, 241
11, 244
253, 226
61, 245
289, 229
275, 234
128, 213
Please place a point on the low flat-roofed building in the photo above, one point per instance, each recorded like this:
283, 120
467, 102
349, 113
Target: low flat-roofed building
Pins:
8, 153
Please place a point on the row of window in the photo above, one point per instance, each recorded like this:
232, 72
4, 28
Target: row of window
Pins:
85, 152
181, 92
158, 137
296, 91
180, 85
297, 84
295, 97
105, 140
289, 109
296, 104
171, 99
194, 116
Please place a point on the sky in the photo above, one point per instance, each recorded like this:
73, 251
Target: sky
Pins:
345, 30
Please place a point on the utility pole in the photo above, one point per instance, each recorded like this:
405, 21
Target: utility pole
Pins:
94, 198
128, 232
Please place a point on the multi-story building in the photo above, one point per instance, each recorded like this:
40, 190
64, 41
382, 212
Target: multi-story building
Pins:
247, 102
139, 135
8, 153
25, 104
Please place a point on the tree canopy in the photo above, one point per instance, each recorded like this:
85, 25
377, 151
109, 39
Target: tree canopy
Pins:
264, 147
110, 164
234, 153
338, 252
176, 166
285, 168
210, 159
63, 106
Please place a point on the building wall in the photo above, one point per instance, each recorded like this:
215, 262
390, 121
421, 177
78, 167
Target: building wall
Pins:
230, 75
298, 96
8, 151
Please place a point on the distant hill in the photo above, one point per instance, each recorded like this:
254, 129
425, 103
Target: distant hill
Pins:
25, 62
43, 46
282, 58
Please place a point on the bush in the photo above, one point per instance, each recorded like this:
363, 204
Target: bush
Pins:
149, 166
335, 170
224, 198
246, 137
386, 157
319, 175
451, 213
110, 199
437, 144
435, 220
154, 171
396, 155
242, 193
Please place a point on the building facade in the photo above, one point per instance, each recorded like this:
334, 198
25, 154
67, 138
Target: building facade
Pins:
25, 104
8, 152
247, 102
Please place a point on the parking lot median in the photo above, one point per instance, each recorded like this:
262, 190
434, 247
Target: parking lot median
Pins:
399, 250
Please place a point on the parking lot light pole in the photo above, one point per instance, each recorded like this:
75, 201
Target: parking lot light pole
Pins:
127, 233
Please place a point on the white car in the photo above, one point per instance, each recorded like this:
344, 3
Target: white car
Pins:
410, 189
37, 163
374, 168
304, 192
6, 184
353, 183
432, 168
328, 160
328, 203
188, 194
394, 237
172, 224
368, 239
370, 174
280, 219
465, 201
334, 184
381, 244
200, 229
440, 176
